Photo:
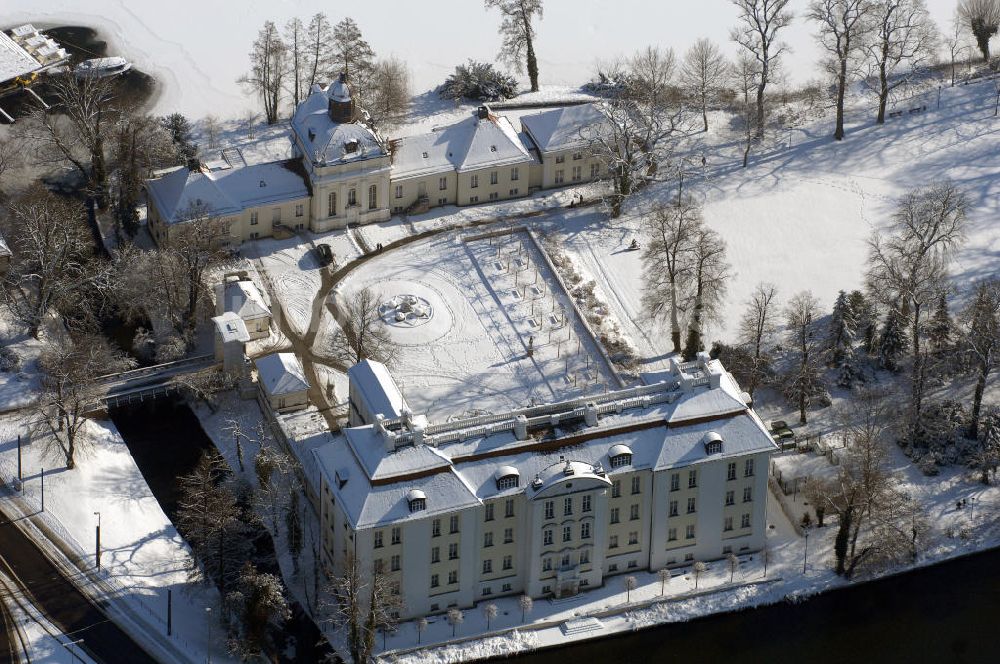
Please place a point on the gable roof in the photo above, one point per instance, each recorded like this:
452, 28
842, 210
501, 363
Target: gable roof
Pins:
329, 139
281, 373
562, 128
243, 299
376, 386
227, 191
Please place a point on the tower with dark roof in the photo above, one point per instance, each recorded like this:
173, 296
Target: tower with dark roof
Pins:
340, 101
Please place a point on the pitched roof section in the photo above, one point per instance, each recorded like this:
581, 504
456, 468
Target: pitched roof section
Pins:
281, 373
325, 141
468, 145
243, 299
562, 128
228, 191
375, 385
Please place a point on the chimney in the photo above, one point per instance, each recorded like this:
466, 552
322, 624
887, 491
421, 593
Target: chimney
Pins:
483, 112
312, 135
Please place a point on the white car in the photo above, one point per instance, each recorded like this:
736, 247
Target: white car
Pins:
102, 67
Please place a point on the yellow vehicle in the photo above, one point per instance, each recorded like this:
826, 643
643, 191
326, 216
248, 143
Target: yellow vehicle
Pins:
18, 82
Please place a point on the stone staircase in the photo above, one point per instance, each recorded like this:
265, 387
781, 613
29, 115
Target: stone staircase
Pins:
578, 626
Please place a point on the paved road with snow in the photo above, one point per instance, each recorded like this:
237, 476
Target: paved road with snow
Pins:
61, 602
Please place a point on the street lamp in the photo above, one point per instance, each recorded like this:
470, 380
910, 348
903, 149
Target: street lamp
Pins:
208, 649
805, 553
97, 545
69, 647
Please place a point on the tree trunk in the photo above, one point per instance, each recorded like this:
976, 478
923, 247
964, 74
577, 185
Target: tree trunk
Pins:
883, 80
532, 62
760, 99
841, 541
977, 399
838, 133
675, 323
917, 392
704, 110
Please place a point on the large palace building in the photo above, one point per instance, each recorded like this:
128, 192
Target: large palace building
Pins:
343, 172
548, 500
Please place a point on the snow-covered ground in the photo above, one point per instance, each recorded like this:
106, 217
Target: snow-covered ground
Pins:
142, 553
198, 50
19, 387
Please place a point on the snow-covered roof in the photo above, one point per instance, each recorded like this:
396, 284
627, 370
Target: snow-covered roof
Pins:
326, 142
339, 90
281, 373
377, 388
178, 193
243, 299
619, 449
231, 327
468, 145
563, 128
14, 60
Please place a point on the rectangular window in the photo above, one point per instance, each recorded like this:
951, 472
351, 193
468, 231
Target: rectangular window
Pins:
730, 498
331, 204
675, 482
514, 174
577, 173
567, 533
487, 590
487, 566
747, 494
352, 197
378, 539
671, 534
633, 537
636, 485
434, 581
560, 159
253, 218
452, 551
577, 156
442, 201
512, 192
508, 535
453, 525
436, 528
614, 515
692, 479
613, 542
745, 521
299, 210
442, 184
452, 578
565, 560
396, 535
633, 514
275, 216
372, 197
546, 564
727, 523
689, 532
595, 170
399, 191
547, 538
691, 506
394, 563
474, 181
436, 554
508, 562
585, 503
585, 557
487, 539
585, 530
506, 587
473, 199
673, 508
379, 565
616, 488
489, 512
494, 196
731, 470
550, 509
559, 176
508, 508
748, 468
567, 506
493, 178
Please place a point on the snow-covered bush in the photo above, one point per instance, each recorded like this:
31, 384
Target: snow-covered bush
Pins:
170, 349
939, 437
9, 360
479, 81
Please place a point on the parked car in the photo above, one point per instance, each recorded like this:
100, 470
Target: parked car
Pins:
781, 432
324, 254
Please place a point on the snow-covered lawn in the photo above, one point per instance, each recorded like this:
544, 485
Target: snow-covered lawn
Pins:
18, 387
142, 553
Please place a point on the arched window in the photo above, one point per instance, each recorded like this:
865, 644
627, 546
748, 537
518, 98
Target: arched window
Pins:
331, 204
417, 500
507, 477
620, 455
713, 443
372, 197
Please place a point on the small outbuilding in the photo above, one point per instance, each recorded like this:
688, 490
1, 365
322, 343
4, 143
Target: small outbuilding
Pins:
243, 299
282, 383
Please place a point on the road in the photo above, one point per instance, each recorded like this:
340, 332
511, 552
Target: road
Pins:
8, 639
65, 606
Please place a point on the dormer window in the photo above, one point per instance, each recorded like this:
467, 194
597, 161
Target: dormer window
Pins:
507, 477
351, 146
713, 443
417, 500
620, 455
262, 184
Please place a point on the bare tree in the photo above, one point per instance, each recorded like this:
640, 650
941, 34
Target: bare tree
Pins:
212, 128
70, 392
664, 576
734, 564
78, 131
909, 265
844, 27
455, 618
519, 34
421, 625
746, 74
704, 74
268, 66
709, 277
982, 17
11, 150
757, 327
956, 43
903, 39
698, 569
668, 260
367, 602
490, 613
297, 41
319, 58
630, 583
803, 381
141, 144
255, 605
362, 334
760, 21
390, 93
526, 604
53, 265
982, 342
